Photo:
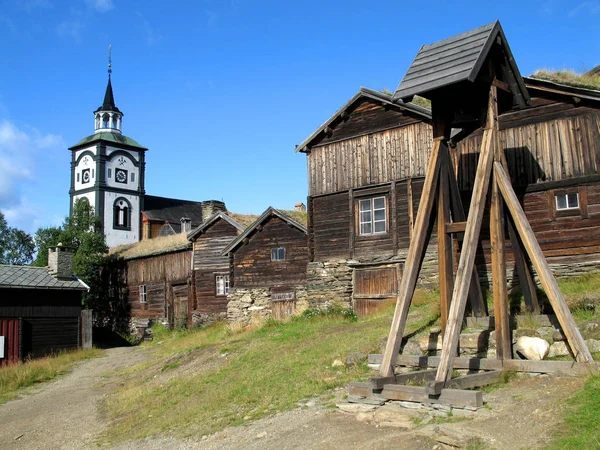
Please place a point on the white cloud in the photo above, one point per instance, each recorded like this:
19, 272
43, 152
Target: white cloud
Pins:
151, 36
590, 8
101, 5
18, 149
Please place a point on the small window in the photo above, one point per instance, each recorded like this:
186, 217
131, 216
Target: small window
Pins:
109, 172
121, 214
372, 216
278, 254
132, 177
78, 177
105, 121
567, 201
143, 293
222, 282
93, 173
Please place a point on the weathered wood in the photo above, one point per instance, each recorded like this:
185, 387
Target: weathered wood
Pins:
446, 276
547, 280
559, 368
528, 288
363, 389
411, 377
456, 227
413, 261
455, 397
467, 257
475, 380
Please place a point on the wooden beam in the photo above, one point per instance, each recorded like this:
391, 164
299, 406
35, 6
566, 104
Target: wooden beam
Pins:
328, 131
404, 378
501, 85
458, 213
503, 335
411, 209
559, 305
467, 257
446, 269
413, 262
344, 115
455, 397
476, 380
456, 227
559, 368
528, 288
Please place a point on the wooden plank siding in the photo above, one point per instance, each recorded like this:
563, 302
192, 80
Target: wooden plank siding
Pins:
208, 262
252, 265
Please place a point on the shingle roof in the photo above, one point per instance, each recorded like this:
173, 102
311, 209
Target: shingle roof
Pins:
455, 59
26, 277
172, 210
212, 219
109, 100
110, 138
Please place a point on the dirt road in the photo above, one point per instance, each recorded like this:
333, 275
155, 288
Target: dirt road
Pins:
65, 414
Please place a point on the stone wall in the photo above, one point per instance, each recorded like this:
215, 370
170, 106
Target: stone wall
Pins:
250, 305
329, 283
201, 319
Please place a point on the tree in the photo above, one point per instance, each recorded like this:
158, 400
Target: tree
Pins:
44, 238
16, 246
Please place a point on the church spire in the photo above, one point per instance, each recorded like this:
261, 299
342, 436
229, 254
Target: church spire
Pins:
108, 117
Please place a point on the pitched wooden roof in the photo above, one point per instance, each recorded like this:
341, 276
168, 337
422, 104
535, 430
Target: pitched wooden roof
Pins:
263, 218
455, 59
363, 93
212, 219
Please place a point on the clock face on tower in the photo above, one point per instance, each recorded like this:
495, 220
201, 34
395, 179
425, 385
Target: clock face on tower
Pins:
85, 176
120, 176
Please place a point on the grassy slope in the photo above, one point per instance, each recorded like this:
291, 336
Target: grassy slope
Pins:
16, 377
264, 371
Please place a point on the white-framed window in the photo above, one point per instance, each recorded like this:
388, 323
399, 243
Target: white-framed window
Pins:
121, 214
222, 283
278, 254
109, 172
372, 216
132, 177
143, 293
567, 201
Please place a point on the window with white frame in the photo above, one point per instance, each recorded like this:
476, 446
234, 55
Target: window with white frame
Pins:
372, 216
278, 254
142, 293
567, 201
222, 282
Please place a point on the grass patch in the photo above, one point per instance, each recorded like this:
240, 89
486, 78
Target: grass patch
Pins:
568, 77
16, 377
244, 374
580, 427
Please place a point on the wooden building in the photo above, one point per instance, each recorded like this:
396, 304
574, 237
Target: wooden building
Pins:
268, 269
40, 308
365, 173
153, 278
210, 276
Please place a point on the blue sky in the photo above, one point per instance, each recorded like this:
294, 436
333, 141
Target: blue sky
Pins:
221, 91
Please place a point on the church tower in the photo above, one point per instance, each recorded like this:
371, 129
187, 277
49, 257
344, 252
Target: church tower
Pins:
107, 169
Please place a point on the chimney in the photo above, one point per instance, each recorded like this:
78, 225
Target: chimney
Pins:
211, 207
60, 262
186, 224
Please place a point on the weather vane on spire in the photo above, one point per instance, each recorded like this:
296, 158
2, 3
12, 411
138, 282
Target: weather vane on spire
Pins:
109, 60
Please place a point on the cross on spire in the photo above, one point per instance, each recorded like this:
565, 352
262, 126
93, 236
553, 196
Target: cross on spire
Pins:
109, 60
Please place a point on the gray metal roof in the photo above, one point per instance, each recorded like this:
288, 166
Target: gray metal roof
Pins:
26, 277
455, 59
268, 213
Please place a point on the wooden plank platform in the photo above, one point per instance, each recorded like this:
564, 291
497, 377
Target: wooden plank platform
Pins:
561, 368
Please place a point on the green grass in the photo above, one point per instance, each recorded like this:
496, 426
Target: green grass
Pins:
225, 377
16, 377
568, 77
580, 429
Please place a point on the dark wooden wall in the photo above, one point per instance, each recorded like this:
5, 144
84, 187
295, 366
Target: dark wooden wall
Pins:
252, 265
50, 318
208, 262
157, 272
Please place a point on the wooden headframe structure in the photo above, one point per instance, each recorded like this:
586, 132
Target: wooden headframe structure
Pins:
470, 79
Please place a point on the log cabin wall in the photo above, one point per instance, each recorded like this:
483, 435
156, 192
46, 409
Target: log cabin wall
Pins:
209, 263
552, 148
158, 273
263, 287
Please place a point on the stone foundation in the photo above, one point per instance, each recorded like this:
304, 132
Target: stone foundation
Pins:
201, 319
249, 305
329, 283
140, 328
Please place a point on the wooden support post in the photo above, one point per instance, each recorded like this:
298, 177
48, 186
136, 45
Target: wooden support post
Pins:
559, 305
503, 335
466, 263
525, 279
458, 213
413, 262
446, 275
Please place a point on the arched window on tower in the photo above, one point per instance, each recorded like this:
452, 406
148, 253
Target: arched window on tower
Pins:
105, 121
121, 214
97, 121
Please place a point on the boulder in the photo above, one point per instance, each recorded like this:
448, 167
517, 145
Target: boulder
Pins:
355, 358
337, 363
430, 342
412, 348
593, 345
559, 348
532, 348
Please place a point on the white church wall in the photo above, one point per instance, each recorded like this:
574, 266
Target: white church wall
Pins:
86, 179
115, 237
120, 162
91, 196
